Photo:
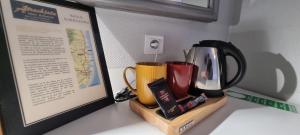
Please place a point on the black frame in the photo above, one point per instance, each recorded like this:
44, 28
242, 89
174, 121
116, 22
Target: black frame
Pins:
10, 113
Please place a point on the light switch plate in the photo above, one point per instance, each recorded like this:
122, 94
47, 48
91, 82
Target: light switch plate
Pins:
154, 44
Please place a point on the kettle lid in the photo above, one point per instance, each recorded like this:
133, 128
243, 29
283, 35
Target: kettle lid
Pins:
210, 43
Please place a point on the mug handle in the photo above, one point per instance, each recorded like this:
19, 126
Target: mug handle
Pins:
231, 50
126, 80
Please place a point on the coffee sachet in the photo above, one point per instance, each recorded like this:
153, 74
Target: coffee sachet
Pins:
164, 98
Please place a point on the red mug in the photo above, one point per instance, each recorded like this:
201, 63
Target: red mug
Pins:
179, 76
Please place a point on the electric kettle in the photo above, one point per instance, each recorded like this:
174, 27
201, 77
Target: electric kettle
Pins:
210, 70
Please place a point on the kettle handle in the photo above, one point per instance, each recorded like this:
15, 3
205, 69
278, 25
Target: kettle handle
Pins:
231, 50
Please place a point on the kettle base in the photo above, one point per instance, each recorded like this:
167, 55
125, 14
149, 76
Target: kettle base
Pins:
208, 93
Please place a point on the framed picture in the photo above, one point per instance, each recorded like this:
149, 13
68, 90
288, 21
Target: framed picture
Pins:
198, 10
53, 68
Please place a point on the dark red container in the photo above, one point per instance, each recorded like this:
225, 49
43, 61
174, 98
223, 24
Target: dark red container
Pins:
179, 76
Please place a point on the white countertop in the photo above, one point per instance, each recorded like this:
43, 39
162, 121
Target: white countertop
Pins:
118, 119
260, 121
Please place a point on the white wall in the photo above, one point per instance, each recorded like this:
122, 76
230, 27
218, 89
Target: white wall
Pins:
269, 36
123, 33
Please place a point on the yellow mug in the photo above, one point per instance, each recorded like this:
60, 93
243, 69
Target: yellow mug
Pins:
146, 72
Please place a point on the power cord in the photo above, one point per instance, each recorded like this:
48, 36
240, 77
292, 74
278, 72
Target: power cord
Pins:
124, 95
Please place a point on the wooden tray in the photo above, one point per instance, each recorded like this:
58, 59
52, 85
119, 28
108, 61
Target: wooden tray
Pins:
182, 123
1, 131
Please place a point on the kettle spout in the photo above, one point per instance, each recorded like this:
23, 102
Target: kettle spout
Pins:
189, 55
186, 53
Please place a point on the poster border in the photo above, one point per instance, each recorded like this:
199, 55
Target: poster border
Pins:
10, 108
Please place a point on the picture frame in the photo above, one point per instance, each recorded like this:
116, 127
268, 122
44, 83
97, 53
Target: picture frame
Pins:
167, 8
69, 91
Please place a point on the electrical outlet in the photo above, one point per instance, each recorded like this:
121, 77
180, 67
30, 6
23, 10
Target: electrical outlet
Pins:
154, 44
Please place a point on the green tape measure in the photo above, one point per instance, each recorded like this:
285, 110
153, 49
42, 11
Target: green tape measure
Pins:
262, 101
